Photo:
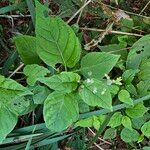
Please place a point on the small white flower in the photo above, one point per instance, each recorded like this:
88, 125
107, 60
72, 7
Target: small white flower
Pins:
90, 81
94, 90
103, 92
78, 81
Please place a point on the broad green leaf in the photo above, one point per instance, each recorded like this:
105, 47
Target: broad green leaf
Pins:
98, 121
11, 90
139, 51
34, 72
56, 41
129, 135
26, 47
113, 89
136, 111
144, 73
83, 107
131, 89
110, 133
129, 75
115, 49
60, 111
146, 129
143, 87
8, 120
65, 81
40, 94
138, 122
124, 96
95, 121
85, 122
97, 64
11, 104
126, 122
115, 120
96, 93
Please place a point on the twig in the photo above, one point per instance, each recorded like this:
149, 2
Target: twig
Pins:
98, 146
94, 42
115, 32
15, 16
79, 11
106, 142
144, 8
18, 68
128, 12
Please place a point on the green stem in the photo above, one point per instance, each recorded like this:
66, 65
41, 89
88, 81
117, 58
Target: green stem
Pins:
115, 108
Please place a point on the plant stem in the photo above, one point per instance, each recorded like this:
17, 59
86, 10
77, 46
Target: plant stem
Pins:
111, 31
115, 108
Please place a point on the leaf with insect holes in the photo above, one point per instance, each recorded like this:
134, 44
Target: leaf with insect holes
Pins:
96, 93
60, 111
65, 81
34, 72
26, 47
56, 41
129, 135
115, 120
12, 104
139, 51
97, 64
124, 96
146, 129
136, 111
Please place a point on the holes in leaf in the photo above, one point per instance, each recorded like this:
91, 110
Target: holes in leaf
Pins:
139, 51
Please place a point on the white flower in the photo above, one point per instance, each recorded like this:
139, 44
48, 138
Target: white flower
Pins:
90, 81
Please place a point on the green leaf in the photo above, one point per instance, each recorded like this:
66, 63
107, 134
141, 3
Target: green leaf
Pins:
143, 88
115, 120
96, 93
40, 94
138, 122
110, 133
56, 41
136, 111
97, 64
146, 129
65, 81
8, 120
129, 135
11, 104
126, 122
124, 96
129, 75
34, 72
95, 121
139, 51
26, 47
144, 73
60, 111
85, 122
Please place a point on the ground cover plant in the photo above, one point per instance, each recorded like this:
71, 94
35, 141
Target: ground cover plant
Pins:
74, 75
